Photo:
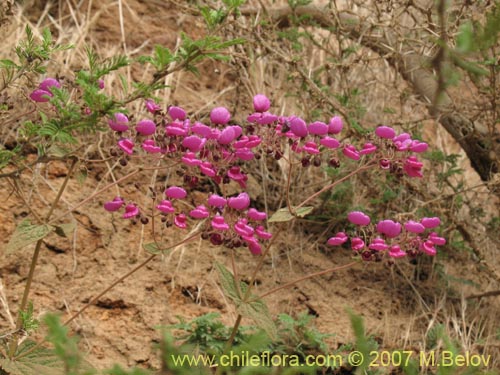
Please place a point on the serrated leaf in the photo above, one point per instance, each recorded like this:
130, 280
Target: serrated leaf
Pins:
257, 311
65, 230
153, 248
26, 233
284, 214
41, 361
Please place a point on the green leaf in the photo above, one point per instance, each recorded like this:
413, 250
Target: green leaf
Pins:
465, 37
7, 64
257, 311
40, 361
229, 283
65, 230
284, 214
26, 233
153, 248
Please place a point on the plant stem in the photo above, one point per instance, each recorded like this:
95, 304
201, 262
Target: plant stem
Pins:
34, 260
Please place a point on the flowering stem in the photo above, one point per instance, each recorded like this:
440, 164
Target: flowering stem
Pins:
34, 261
310, 276
333, 184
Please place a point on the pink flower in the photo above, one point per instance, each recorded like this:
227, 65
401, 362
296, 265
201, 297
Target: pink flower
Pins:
207, 169
100, 84
227, 136
385, 132
146, 127
180, 221
220, 115
335, 125
199, 212
149, 146
253, 214
243, 229
266, 118
219, 223
430, 222
241, 202
417, 146
402, 137
358, 218
244, 154
339, 239
120, 122
151, 106
126, 145
436, 240
131, 210
234, 173
351, 152
261, 103
254, 246
177, 113
311, 148
378, 244
166, 207
414, 227
193, 143
114, 205
396, 252
357, 244
41, 96
329, 142
201, 129
216, 201
428, 248
318, 128
175, 192
190, 159
260, 231
253, 141
298, 127
390, 228
48, 83
385, 164
413, 167
368, 148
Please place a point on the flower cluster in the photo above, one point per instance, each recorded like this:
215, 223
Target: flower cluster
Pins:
390, 238
229, 221
44, 91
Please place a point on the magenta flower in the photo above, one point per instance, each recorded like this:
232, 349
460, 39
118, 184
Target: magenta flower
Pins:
414, 227
430, 222
190, 159
260, 231
311, 148
318, 128
253, 141
131, 210
266, 118
396, 252
335, 125
428, 248
254, 246
389, 228
413, 167
402, 137
220, 116
201, 129
166, 207
175, 192
241, 202
385, 132
146, 127
378, 244
193, 143
351, 152
244, 154
234, 173
114, 205
48, 83
216, 201
358, 218
219, 223
339, 239
436, 240
368, 148
200, 212
149, 146
180, 221
126, 145
208, 169
357, 244
227, 136
120, 122
417, 146
100, 83
261, 103
41, 96
298, 127
385, 164
151, 106
177, 113
329, 142
253, 214
243, 229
